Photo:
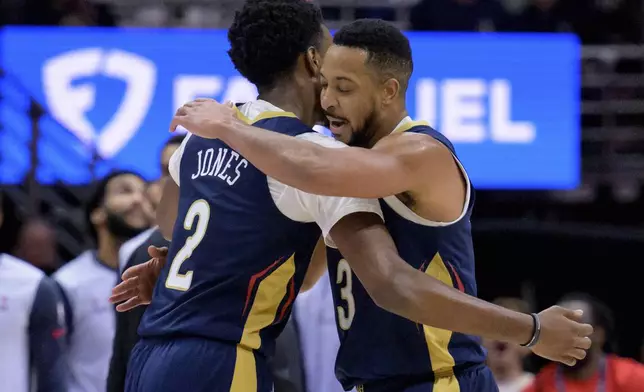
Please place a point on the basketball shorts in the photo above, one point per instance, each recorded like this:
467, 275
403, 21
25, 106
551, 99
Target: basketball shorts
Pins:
195, 365
474, 379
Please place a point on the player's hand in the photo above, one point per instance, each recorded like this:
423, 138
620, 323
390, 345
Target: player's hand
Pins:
204, 117
563, 338
138, 281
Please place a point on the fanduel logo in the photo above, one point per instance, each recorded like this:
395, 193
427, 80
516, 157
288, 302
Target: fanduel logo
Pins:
69, 102
472, 110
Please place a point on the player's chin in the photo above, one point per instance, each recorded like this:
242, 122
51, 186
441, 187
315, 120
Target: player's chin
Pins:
138, 221
343, 137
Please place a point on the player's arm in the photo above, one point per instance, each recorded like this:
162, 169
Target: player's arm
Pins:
169, 204
356, 228
396, 164
355, 225
46, 338
391, 167
399, 288
316, 267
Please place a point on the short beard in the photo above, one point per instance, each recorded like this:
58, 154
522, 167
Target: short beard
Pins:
363, 137
119, 228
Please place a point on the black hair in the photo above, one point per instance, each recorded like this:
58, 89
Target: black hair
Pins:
602, 316
387, 48
97, 198
174, 140
267, 37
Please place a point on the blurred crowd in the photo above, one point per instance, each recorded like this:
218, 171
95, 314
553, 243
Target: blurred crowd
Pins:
594, 21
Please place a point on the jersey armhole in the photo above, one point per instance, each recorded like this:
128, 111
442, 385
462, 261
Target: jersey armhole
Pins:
174, 166
401, 209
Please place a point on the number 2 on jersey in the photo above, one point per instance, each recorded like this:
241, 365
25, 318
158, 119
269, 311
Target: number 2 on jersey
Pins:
345, 318
200, 210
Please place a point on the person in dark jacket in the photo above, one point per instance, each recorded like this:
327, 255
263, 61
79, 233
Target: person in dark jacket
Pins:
127, 323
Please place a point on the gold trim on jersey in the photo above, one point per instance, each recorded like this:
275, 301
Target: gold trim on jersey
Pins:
438, 340
273, 114
245, 373
407, 125
263, 115
266, 302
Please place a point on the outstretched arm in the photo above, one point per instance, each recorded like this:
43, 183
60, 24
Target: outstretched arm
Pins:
397, 287
313, 168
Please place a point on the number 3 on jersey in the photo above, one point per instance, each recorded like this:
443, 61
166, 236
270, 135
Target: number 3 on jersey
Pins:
345, 318
200, 210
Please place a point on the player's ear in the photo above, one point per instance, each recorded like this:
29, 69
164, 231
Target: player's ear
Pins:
390, 91
313, 61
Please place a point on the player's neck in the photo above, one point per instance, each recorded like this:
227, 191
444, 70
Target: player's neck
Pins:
386, 123
108, 250
290, 98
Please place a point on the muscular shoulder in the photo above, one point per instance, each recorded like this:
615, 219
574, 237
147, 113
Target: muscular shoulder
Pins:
415, 149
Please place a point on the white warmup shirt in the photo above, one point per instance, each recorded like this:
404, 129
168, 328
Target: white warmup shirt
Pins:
315, 317
32, 319
88, 284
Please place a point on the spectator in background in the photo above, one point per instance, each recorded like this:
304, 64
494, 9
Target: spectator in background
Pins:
118, 211
31, 329
37, 245
156, 189
458, 15
131, 253
542, 16
599, 371
506, 359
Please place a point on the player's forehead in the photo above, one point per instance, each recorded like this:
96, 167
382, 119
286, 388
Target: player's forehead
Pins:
345, 62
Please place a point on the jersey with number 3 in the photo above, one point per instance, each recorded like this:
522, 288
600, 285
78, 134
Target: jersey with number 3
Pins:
376, 345
242, 242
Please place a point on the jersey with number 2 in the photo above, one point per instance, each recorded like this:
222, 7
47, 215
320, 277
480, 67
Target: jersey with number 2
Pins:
241, 244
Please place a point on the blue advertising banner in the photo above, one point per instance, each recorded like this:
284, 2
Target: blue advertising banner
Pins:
509, 102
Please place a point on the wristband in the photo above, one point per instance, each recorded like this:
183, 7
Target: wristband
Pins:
536, 331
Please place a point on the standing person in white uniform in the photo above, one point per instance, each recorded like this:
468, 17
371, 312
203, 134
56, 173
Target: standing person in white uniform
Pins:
315, 317
31, 329
118, 211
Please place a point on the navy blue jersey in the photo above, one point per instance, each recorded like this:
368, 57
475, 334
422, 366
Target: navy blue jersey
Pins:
378, 346
236, 262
